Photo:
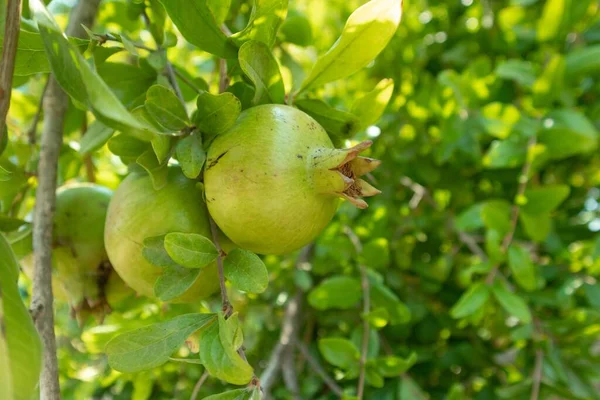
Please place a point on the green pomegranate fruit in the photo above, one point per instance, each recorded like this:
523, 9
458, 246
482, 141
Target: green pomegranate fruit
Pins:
137, 212
273, 181
81, 272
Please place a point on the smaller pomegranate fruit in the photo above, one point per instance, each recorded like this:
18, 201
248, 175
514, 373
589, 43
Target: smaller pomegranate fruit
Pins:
273, 181
137, 212
82, 274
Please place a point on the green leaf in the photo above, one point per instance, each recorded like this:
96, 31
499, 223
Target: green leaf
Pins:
522, 268
336, 122
340, 352
543, 200
392, 366
194, 361
370, 107
220, 359
219, 9
157, 18
259, 65
517, 70
499, 119
128, 82
217, 113
20, 344
9, 224
151, 346
166, 108
377, 318
549, 85
537, 226
571, 133
471, 301
175, 281
375, 253
161, 144
408, 389
126, 146
582, 62
5, 175
496, 215
154, 252
96, 136
197, 24
512, 303
190, 249
553, 17
158, 172
373, 376
592, 292
246, 271
382, 296
296, 29
366, 33
230, 332
191, 155
265, 19
508, 153
336, 292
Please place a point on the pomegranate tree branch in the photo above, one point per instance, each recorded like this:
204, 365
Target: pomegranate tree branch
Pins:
316, 366
55, 107
199, 384
516, 209
9, 53
537, 374
364, 283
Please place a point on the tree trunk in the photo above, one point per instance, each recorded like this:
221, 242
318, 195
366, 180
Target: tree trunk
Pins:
55, 107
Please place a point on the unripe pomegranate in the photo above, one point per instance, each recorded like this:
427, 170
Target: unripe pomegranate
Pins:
137, 212
81, 272
273, 181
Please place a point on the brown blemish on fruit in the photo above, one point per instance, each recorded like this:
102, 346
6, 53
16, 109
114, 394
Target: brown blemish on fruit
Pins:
216, 160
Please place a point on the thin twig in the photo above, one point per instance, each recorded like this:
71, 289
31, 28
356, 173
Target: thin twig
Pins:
364, 283
537, 374
316, 366
9, 53
173, 81
223, 80
88, 162
471, 243
199, 384
516, 209
286, 339
290, 373
227, 309
32, 132
420, 193
188, 82
55, 107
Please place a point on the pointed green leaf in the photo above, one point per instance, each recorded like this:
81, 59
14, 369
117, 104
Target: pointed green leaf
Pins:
158, 172
174, 281
340, 352
471, 301
190, 249
166, 108
222, 360
370, 107
217, 113
336, 292
537, 226
382, 296
512, 303
219, 9
553, 17
582, 62
151, 346
231, 332
517, 70
522, 268
127, 146
545, 199
366, 33
392, 366
20, 344
246, 271
259, 65
296, 29
161, 144
154, 252
336, 122
197, 24
95, 137
5, 174
191, 155
265, 19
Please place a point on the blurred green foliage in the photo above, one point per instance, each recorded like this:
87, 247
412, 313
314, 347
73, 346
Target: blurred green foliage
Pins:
483, 252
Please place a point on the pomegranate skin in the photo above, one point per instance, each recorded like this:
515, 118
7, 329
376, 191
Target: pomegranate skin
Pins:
137, 211
258, 181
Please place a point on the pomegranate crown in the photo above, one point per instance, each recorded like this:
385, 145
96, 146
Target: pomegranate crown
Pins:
338, 172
